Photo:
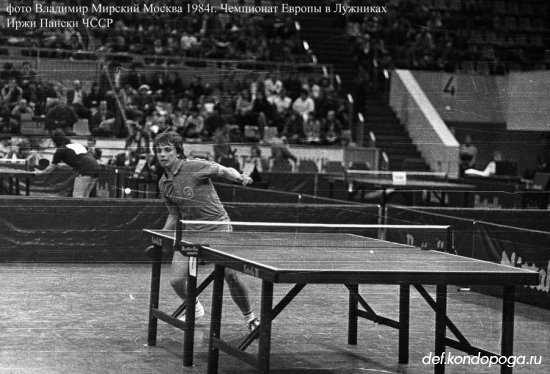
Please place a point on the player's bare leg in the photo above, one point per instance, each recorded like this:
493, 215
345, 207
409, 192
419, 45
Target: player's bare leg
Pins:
237, 289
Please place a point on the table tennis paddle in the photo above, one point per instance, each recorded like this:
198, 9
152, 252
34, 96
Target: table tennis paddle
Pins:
43, 163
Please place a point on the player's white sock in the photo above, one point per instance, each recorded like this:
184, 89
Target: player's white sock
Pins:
251, 321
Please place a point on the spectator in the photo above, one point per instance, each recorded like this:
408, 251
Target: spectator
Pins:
255, 164
5, 145
135, 77
281, 155
138, 140
189, 43
102, 122
263, 111
12, 93
33, 92
61, 116
76, 97
467, 154
281, 101
178, 118
304, 105
95, 96
243, 110
272, 86
194, 125
331, 129
20, 112
293, 85
221, 144
27, 73
293, 127
312, 129
144, 101
213, 122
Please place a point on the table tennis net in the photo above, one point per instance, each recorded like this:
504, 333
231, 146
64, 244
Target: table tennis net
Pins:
436, 237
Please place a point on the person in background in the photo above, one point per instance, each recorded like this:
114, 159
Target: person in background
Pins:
331, 128
5, 145
490, 169
194, 125
255, 164
281, 155
222, 144
101, 123
304, 105
12, 93
21, 111
77, 157
61, 116
76, 97
468, 154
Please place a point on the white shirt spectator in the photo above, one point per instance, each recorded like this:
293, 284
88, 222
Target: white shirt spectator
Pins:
304, 105
281, 102
188, 41
272, 87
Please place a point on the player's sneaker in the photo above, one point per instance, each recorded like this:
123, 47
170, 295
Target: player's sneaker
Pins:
199, 312
253, 324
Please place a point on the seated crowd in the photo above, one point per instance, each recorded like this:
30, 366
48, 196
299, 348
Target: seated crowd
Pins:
304, 110
451, 34
234, 36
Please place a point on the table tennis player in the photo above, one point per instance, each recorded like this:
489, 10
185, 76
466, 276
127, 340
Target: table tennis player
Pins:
189, 193
77, 157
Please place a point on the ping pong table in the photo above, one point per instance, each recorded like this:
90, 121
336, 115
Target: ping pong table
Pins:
361, 182
329, 258
14, 176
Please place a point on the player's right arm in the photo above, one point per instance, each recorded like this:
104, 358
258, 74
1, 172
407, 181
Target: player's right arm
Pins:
51, 167
173, 217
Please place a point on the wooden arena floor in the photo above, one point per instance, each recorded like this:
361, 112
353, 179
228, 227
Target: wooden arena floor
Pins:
67, 318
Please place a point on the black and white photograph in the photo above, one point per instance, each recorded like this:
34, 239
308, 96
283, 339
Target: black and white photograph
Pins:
261, 186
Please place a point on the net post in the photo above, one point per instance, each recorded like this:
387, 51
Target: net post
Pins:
450, 239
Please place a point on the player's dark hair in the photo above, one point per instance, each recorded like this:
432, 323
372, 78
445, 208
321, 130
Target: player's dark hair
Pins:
59, 138
169, 138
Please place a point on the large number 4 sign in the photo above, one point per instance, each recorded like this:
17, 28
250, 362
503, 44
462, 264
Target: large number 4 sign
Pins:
450, 87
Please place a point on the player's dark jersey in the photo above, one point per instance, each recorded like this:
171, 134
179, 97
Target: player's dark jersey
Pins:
77, 156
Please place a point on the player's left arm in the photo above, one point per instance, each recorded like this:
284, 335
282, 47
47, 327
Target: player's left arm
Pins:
234, 176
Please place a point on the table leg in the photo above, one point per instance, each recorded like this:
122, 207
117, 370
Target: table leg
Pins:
154, 296
16, 180
507, 344
28, 186
191, 294
440, 327
264, 346
353, 316
215, 319
404, 311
